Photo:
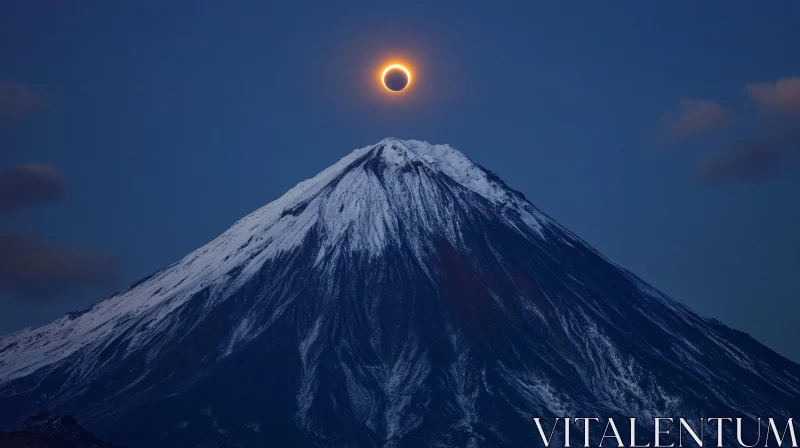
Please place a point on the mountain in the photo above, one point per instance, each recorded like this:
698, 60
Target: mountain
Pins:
45, 430
403, 297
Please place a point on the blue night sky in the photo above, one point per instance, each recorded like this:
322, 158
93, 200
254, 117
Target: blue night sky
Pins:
663, 133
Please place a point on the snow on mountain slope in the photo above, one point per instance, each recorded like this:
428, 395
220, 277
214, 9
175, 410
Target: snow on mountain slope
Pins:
403, 294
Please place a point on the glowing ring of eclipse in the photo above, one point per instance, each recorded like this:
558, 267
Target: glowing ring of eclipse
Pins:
393, 67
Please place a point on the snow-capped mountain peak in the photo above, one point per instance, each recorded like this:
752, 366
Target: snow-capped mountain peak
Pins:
448, 161
403, 294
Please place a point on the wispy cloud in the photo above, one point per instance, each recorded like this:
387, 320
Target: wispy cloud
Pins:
694, 118
25, 185
782, 96
34, 270
759, 158
760, 146
743, 161
17, 101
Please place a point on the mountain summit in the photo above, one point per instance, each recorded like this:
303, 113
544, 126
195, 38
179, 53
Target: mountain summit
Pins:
405, 296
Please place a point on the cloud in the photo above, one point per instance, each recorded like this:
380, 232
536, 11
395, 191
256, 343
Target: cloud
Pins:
782, 96
17, 101
24, 185
754, 159
33, 269
759, 146
695, 118
746, 160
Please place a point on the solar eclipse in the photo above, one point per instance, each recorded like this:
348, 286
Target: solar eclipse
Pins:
396, 77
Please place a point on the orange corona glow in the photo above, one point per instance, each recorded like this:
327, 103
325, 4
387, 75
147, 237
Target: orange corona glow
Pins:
395, 67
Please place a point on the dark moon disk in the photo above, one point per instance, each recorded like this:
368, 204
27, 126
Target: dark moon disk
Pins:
395, 79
